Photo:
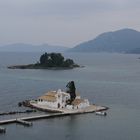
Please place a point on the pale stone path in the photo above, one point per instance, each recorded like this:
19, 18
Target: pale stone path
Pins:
63, 112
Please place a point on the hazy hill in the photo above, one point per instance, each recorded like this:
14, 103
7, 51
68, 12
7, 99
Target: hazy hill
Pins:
121, 41
21, 47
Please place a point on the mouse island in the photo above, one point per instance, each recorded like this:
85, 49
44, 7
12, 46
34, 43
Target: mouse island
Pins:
49, 61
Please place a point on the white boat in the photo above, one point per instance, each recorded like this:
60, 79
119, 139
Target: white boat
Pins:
101, 113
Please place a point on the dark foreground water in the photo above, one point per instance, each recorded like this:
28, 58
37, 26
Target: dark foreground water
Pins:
112, 80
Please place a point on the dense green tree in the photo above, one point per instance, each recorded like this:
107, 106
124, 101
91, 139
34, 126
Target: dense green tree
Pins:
71, 89
55, 60
44, 59
49, 60
68, 62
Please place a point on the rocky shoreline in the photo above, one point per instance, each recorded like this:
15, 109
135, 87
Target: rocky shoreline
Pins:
34, 66
52, 61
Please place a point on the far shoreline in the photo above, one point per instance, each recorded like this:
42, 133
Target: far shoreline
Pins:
51, 61
32, 66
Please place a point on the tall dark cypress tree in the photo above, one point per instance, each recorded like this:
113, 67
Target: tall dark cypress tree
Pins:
71, 89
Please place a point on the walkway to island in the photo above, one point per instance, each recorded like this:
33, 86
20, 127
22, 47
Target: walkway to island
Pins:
90, 109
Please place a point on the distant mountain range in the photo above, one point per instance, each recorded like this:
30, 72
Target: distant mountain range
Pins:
121, 41
21, 47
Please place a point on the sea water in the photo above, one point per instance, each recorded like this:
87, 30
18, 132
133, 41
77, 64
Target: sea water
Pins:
111, 80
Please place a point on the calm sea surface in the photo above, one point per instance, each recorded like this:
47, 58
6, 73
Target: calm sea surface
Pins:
111, 80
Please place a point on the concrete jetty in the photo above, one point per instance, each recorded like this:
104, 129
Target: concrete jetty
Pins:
89, 109
37, 117
26, 123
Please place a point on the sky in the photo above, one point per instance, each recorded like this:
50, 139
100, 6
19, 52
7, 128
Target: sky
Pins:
64, 22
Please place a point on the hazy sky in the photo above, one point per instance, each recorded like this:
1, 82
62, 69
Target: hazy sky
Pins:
64, 22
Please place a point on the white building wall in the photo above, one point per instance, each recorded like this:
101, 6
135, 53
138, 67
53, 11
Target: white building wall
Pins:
78, 97
62, 102
82, 105
87, 102
61, 98
49, 104
69, 106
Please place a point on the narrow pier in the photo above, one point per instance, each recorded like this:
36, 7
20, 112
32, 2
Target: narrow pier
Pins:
8, 121
26, 123
23, 120
18, 120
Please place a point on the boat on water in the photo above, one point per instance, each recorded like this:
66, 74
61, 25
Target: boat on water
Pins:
101, 113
